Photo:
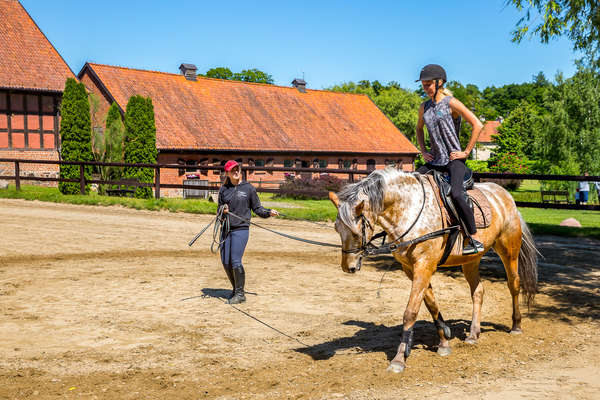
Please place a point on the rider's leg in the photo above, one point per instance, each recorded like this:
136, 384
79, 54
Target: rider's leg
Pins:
457, 169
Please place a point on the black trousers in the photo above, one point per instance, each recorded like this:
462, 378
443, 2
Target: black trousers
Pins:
456, 169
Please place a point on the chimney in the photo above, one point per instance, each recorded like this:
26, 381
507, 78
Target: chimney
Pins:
189, 71
299, 84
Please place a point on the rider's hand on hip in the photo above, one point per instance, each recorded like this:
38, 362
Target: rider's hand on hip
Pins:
458, 155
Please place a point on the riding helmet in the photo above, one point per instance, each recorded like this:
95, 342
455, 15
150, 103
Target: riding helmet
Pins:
432, 72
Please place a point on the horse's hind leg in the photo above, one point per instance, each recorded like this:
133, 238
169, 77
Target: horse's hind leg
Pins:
471, 272
508, 250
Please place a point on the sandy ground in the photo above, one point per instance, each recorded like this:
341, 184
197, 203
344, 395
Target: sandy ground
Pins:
110, 303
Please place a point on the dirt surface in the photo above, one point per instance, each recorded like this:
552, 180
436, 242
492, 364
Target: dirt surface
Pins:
110, 303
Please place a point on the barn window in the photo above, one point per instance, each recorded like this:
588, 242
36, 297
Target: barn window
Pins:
370, 164
259, 163
288, 163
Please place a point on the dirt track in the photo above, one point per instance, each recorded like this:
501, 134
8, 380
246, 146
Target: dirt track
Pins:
111, 303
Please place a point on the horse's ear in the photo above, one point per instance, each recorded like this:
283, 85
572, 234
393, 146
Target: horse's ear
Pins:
334, 199
358, 209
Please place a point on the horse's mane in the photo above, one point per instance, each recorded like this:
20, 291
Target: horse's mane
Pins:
372, 189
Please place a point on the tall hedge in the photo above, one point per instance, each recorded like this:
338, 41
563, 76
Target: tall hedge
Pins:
75, 134
140, 142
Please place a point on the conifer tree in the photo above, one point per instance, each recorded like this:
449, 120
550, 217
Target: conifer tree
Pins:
140, 142
75, 134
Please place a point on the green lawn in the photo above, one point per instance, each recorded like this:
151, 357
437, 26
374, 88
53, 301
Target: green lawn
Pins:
541, 221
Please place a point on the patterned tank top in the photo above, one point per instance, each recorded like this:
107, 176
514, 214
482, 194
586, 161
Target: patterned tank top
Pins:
443, 130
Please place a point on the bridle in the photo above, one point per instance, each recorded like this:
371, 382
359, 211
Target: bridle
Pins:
367, 248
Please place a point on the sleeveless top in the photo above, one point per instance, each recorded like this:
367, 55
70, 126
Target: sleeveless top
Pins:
443, 130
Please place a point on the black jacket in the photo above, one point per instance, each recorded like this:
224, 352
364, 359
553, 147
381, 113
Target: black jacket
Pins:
241, 199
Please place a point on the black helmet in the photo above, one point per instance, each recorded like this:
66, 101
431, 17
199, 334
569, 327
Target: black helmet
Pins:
432, 72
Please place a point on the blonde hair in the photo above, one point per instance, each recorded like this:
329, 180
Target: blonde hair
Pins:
443, 90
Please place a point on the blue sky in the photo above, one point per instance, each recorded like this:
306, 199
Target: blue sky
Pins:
328, 41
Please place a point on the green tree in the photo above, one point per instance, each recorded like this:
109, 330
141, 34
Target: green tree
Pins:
219, 73
517, 133
579, 20
108, 145
140, 142
75, 134
253, 75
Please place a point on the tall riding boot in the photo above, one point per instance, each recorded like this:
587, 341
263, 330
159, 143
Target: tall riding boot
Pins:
240, 280
229, 272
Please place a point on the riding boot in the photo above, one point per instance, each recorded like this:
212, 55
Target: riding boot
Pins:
229, 272
240, 280
473, 247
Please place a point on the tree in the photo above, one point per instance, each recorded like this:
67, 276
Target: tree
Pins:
75, 134
219, 73
579, 20
517, 132
140, 142
108, 144
253, 75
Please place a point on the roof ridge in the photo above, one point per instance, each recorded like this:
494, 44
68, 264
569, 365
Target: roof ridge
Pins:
221, 80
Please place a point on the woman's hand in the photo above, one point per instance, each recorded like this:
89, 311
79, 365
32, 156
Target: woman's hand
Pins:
458, 155
427, 156
225, 209
274, 213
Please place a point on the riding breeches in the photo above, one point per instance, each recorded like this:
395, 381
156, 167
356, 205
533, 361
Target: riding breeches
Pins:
233, 246
456, 169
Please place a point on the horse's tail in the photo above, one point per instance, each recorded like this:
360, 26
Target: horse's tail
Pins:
528, 263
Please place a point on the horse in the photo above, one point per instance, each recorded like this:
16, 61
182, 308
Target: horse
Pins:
406, 208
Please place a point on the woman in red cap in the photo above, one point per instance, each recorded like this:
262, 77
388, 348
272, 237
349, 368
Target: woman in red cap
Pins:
442, 114
240, 198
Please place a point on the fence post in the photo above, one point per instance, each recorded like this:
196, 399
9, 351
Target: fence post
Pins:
81, 179
157, 182
17, 176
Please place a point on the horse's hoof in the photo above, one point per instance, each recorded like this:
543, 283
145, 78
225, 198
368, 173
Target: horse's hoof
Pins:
396, 367
444, 351
517, 331
471, 340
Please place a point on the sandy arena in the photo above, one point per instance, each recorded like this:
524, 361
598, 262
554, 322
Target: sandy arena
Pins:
110, 303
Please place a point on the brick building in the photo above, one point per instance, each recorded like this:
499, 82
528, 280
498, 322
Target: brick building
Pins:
32, 78
203, 121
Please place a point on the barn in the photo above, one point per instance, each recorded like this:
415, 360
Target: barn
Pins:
203, 121
32, 78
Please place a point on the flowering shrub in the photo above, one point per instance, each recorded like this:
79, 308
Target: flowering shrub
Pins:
510, 163
319, 186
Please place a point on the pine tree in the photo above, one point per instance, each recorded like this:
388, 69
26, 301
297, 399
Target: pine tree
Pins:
75, 134
140, 142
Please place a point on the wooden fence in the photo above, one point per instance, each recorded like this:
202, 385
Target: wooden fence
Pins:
157, 185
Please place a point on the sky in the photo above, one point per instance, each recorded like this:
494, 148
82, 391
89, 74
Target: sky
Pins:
326, 42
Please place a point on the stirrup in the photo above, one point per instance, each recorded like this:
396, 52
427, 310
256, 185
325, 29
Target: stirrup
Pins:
473, 247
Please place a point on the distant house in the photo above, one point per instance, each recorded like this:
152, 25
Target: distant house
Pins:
203, 121
485, 143
32, 78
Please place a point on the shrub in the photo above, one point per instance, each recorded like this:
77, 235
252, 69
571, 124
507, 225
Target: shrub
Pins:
140, 142
510, 163
320, 185
75, 135
478, 166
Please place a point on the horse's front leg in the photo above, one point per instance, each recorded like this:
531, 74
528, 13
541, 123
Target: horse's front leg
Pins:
421, 275
443, 330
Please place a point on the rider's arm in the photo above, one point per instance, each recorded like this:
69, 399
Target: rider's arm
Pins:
421, 136
459, 108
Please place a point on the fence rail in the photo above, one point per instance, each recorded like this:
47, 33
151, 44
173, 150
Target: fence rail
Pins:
157, 185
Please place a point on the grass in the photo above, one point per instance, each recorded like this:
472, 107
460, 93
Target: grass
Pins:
541, 221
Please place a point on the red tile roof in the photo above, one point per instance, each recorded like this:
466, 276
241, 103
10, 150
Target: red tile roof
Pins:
27, 59
229, 115
489, 128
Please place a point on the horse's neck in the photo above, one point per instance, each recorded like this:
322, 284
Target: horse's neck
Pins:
402, 204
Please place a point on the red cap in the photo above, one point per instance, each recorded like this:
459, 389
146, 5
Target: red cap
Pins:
231, 164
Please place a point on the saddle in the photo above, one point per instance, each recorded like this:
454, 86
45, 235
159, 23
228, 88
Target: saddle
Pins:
477, 201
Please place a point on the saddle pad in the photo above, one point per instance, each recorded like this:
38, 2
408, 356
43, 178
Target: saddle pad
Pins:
481, 206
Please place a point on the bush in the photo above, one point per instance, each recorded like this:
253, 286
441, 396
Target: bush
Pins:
75, 135
510, 163
321, 186
140, 142
478, 166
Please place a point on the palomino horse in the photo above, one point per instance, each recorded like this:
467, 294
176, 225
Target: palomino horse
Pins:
406, 208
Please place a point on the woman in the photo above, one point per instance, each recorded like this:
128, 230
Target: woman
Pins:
442, 115
238, 197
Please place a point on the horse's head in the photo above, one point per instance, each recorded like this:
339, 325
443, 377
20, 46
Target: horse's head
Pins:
354, 224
